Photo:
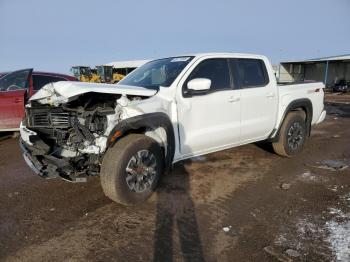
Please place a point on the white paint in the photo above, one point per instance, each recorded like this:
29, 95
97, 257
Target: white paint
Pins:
202, 124
98, 147
48, 95
123, 110
160, 136
298, 91
26, 133
64, 91
322, 117
259, 107
199, 84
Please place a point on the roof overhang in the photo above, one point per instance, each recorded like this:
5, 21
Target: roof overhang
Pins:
341, 58
128, 64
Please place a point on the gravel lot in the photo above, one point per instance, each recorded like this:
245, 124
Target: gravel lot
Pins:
242, 204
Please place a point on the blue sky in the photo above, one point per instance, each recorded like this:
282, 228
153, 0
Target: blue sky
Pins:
53, 35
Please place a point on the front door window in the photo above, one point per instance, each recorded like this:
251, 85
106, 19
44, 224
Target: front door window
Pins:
15, 81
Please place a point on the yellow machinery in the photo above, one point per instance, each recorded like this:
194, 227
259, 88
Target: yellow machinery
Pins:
102, 74
117, 77
107, 74
85, 74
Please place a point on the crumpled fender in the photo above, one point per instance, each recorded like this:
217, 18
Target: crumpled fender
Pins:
150, 120
65, 91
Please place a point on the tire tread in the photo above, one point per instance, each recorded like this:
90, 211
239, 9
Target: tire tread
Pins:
279, 146
112, 180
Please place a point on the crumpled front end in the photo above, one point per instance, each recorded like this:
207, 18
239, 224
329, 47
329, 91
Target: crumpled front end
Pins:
68, 139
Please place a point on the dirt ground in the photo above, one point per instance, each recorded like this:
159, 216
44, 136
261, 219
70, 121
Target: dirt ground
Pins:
338, 97
242, 204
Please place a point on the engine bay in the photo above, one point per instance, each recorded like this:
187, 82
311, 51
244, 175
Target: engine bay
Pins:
70, 139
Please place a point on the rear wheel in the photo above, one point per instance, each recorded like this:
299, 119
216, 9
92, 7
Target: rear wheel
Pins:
131, 169
292, 135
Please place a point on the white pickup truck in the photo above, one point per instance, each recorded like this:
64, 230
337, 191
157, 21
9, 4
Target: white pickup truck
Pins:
165, 111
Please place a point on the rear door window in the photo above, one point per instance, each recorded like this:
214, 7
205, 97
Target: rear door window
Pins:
251, 73
40, 80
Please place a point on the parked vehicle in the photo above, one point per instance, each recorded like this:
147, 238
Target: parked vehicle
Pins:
165, 111
15, 90
341, 86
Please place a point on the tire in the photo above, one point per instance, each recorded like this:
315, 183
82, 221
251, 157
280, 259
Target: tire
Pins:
123, 154
294, 123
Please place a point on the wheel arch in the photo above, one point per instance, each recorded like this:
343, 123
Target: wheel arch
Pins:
140, 124
303, 104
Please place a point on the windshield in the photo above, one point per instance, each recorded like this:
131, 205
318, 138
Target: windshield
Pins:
157, 73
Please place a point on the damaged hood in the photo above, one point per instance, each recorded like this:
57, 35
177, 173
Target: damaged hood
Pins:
65, 91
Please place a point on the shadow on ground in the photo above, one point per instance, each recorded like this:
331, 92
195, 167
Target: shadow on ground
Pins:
176, 215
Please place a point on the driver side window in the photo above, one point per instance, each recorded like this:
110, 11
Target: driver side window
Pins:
15, 81
217, 70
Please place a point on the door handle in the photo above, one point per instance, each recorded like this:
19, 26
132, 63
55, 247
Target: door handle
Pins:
270, 95
233, 99
18, 100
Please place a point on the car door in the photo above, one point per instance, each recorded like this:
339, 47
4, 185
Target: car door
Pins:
259, 98
13, 92
210, 120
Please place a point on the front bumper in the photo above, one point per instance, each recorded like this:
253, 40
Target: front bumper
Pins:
47, 166
37, 156
27, 146
40, 158
32, 161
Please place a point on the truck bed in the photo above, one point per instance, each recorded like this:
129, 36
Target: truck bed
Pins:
312, 91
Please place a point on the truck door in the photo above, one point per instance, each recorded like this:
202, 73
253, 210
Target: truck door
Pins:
258, 98
13, 92
210, 120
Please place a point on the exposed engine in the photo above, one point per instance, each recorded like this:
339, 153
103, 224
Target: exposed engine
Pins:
72, 137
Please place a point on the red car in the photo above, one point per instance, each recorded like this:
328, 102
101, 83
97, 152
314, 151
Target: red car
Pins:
15, 90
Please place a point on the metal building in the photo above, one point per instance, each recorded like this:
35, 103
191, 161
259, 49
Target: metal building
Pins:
328, 70
128, 64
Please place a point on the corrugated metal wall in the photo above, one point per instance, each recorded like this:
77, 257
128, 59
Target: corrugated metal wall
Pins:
290, 72
315, 72
338, 71
293, 72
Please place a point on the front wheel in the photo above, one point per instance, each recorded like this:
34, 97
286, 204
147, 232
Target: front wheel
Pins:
292, 135
131, 169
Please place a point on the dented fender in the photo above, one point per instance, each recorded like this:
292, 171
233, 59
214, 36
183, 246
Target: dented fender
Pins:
152, 121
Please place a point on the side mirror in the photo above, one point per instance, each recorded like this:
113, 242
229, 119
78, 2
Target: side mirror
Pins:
199, 85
